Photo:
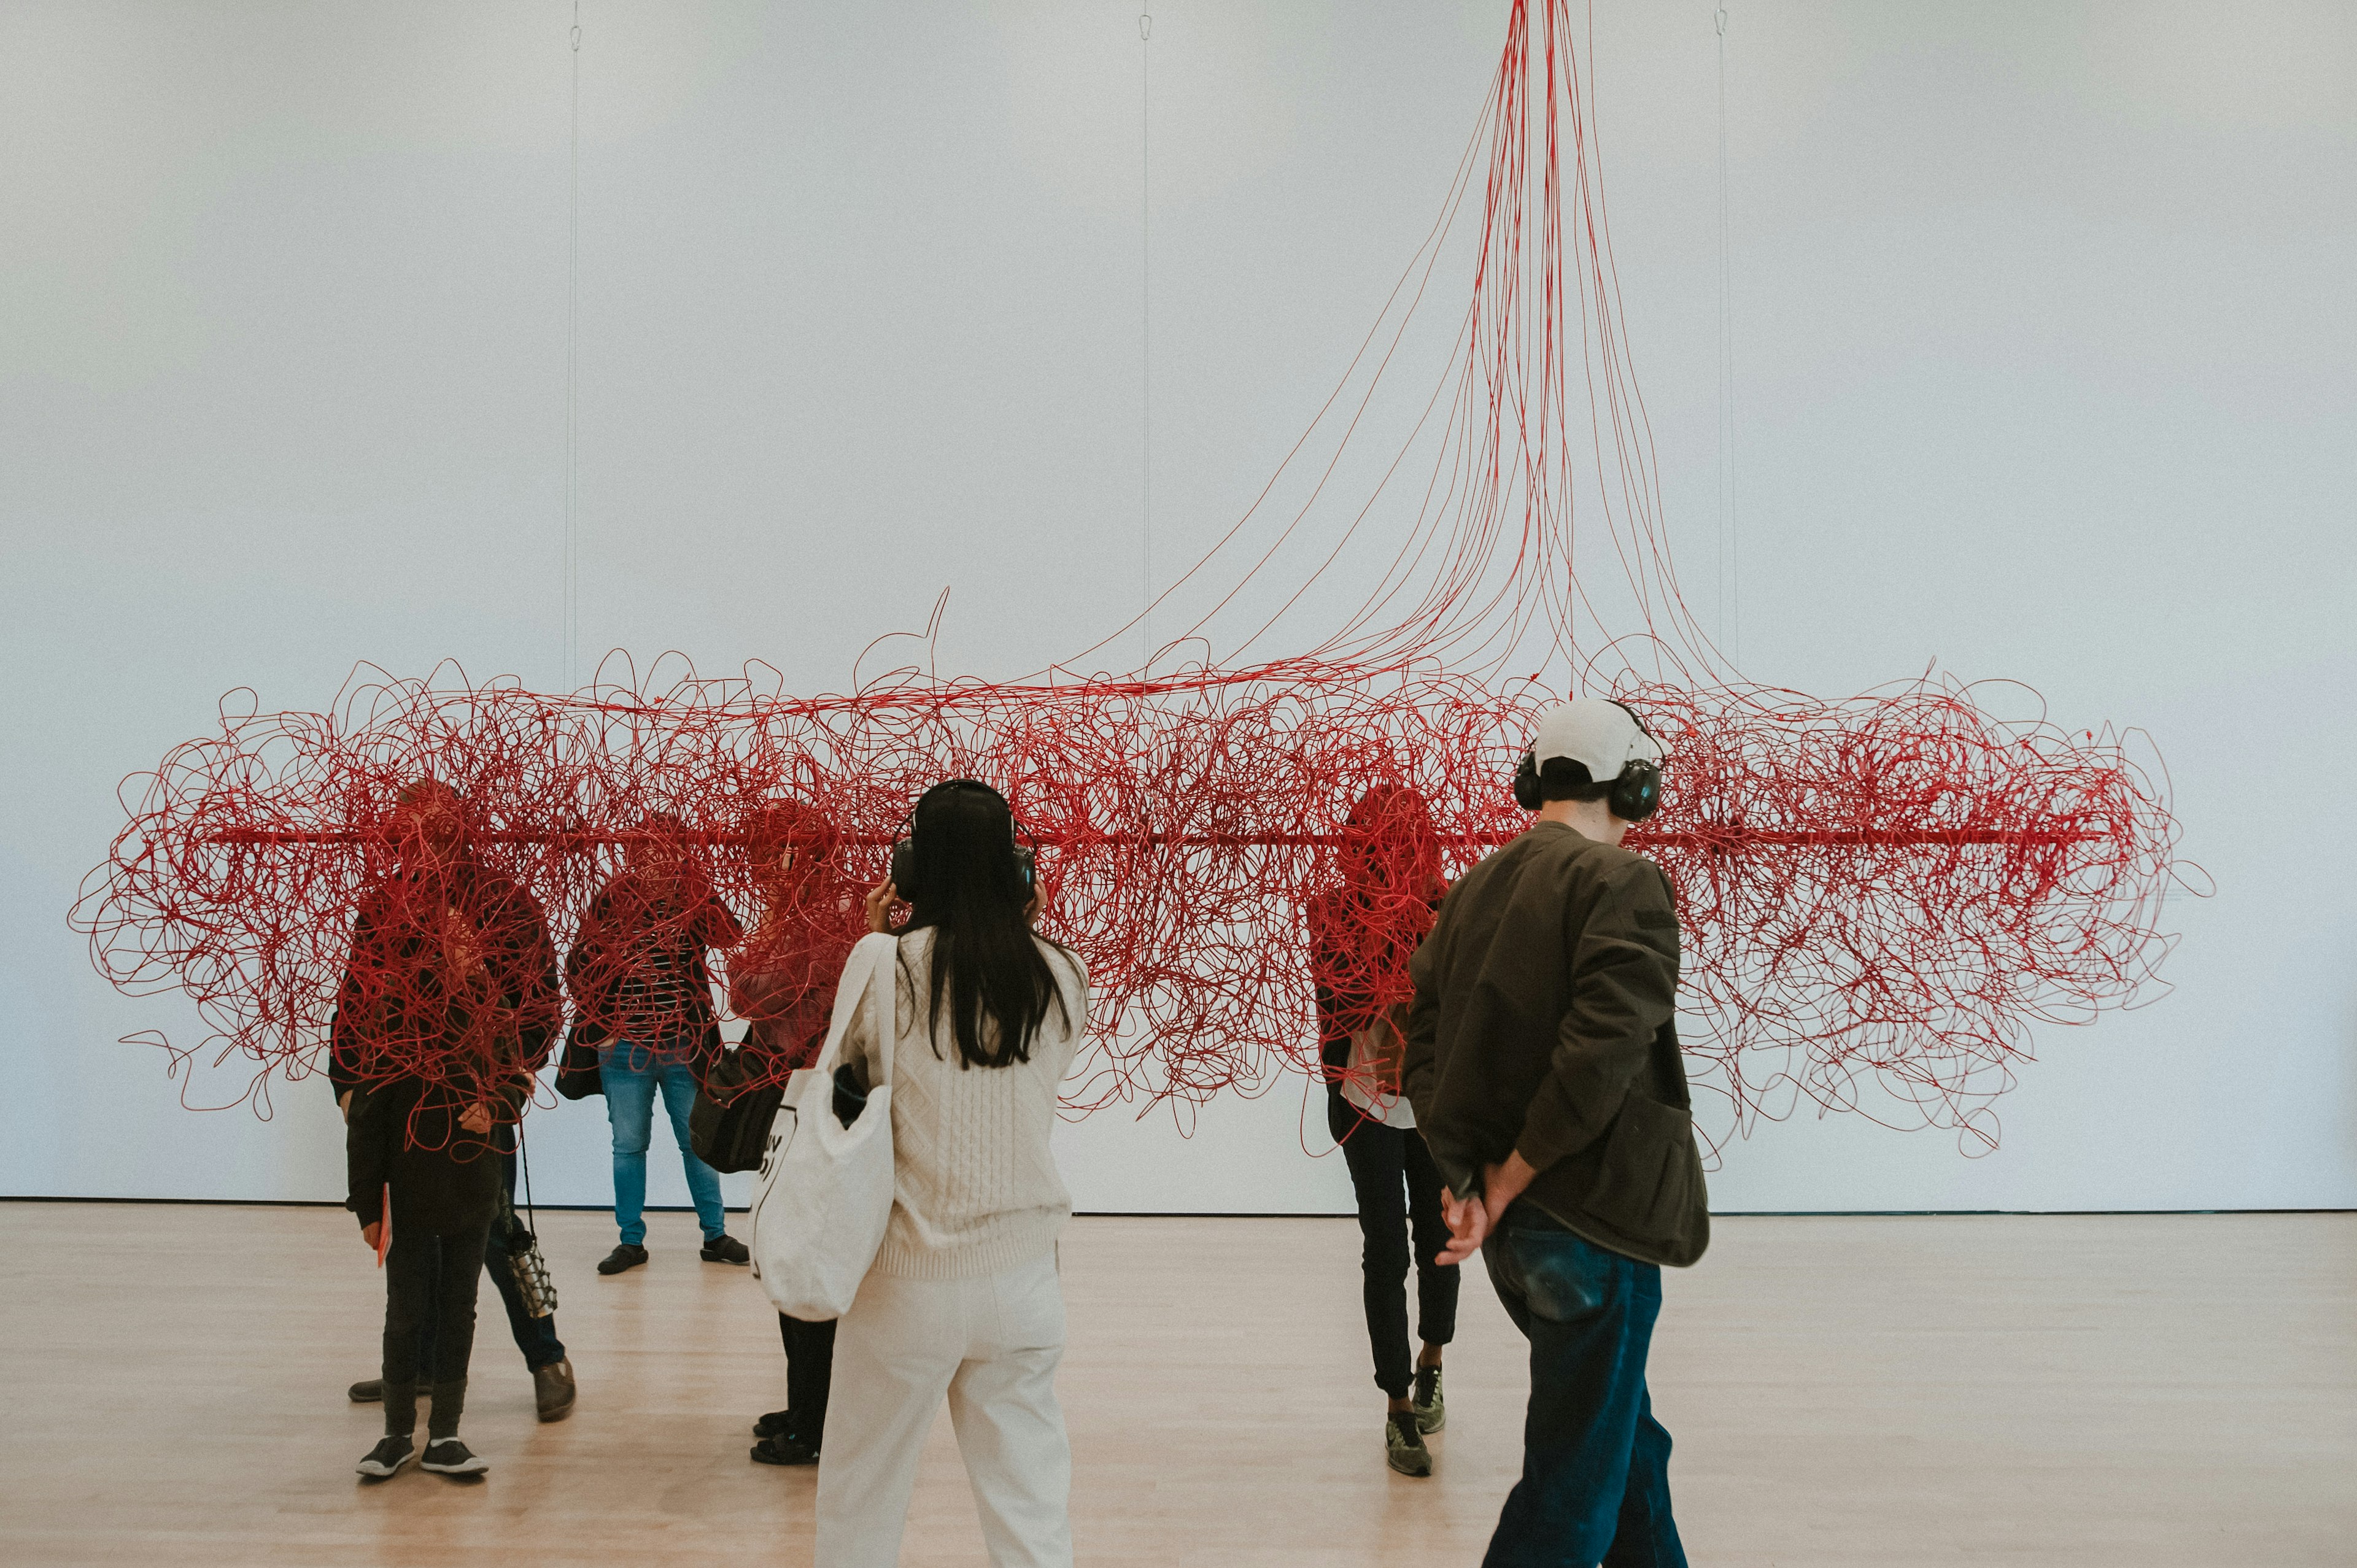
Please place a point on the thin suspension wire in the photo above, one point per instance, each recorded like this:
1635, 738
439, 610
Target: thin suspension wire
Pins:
1730, 624
573, 377
1146, 333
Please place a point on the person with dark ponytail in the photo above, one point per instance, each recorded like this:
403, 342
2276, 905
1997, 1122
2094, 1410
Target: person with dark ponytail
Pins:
1363, 932
962, 1300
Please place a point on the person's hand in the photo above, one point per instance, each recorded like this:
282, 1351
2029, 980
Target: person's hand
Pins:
344, 1104
1502, 1184
1469, 1223
476, 1119
369, 1233
880, 899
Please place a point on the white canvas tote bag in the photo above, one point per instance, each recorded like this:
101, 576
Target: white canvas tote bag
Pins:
825, 1193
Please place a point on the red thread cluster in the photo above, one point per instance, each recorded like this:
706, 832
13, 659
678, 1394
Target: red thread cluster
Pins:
1879, 894
1895, 886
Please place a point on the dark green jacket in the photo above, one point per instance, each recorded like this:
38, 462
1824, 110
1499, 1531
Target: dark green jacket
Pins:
1542, 1022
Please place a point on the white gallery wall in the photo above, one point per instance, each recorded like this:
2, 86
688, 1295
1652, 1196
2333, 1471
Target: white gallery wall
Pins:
2045, 368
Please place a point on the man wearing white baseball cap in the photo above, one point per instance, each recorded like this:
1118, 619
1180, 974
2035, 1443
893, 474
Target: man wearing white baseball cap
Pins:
1543, 1064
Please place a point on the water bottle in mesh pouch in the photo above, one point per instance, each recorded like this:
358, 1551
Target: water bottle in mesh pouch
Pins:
532, 1276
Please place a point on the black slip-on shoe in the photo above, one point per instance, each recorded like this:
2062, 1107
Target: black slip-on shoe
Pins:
368, 1390
627, 1255
724, 1249
780, 1449
449, 1456
387, 1457
774, 1423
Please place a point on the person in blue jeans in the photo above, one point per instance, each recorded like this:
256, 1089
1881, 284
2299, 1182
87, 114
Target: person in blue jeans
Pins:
1543, 1063
641, 986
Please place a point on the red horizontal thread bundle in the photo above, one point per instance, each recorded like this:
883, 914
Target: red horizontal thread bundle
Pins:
1895, 886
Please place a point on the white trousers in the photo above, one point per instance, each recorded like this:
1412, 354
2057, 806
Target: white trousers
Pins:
991, 1345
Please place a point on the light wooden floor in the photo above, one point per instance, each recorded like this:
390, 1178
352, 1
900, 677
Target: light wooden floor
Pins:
2057, 1391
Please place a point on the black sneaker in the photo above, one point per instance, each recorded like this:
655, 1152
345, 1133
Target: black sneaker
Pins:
449, 1456
1431, 1409
388, 1457
773, 1424
724, 1249
628, 1255
368, 1391
780, 1449
1404, 1448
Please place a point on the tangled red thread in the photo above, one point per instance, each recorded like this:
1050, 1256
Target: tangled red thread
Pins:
1880, 897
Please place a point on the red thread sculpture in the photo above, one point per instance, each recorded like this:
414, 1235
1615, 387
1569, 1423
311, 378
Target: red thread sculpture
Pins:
1880, 895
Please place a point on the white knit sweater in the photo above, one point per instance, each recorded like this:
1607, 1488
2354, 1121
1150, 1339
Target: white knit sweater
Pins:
974, 1186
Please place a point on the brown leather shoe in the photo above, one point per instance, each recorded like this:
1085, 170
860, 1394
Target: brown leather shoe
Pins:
552, 1389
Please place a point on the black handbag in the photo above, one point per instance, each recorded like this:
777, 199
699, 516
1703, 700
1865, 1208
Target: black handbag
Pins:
577, 1070
728, 1125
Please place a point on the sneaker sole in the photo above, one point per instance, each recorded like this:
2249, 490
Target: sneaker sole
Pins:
471, 1467
1409, 1468
1428, 1424
377, 1472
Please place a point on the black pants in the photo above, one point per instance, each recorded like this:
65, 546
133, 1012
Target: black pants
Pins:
429, 1278
535, 1337
810, 1372
1399, 1194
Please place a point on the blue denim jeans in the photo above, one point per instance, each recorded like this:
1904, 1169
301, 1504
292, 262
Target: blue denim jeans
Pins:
1595, 1486
632, 1076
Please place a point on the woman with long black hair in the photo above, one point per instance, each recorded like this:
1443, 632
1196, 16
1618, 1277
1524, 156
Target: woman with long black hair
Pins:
962, 1300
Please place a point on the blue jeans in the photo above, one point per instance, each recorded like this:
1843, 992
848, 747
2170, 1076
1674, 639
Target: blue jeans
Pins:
1595, 1485
630, 1079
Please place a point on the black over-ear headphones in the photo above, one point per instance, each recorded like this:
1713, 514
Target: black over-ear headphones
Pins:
1022, 860
1636, 792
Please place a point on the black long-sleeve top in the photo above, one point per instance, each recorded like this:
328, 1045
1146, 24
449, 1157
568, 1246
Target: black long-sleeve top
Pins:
396, 1005
405, 1133
640, 970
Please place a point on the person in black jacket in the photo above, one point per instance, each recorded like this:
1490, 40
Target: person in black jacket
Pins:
446, 1011
1544, 1066
427, 840
1361, 932
642, 981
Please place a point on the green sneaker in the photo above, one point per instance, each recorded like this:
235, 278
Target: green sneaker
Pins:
1431, 1409
1404, 1448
